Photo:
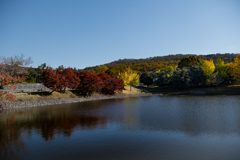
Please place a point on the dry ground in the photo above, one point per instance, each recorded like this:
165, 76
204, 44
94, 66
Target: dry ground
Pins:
47, 95
133, 90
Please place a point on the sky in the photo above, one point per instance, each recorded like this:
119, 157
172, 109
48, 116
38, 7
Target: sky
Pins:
84, 33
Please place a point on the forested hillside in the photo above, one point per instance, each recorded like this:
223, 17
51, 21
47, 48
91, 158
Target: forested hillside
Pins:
155, 64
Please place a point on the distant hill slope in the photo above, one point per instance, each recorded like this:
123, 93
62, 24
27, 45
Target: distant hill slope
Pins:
156, 63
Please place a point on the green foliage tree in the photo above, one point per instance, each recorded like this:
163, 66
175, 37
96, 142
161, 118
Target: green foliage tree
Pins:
39, 71
32, 77
61, 67
222, 71
146, 79
188, 77
189, 62
111, 72
197, 76
181, 78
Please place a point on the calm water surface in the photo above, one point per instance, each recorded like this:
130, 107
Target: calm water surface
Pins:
168, 128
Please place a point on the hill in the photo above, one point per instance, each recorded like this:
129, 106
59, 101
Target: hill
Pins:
155, 64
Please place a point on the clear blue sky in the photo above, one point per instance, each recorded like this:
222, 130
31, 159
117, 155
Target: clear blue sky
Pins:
83, 33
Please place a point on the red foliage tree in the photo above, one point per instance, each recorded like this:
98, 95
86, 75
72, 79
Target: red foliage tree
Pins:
111, 84
60, 80
67, 78
50, 79
8, 82
90, 82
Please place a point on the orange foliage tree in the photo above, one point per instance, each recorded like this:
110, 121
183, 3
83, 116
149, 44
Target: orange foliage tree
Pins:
8, 82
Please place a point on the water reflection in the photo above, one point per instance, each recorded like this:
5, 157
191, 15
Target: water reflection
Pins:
11, 141
122, 125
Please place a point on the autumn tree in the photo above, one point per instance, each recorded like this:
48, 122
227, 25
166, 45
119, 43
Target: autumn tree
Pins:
234, 69
90, 83
7, 82
208, 68
50, 79
60, 80
129, 77
67, 79
111, 84
100, 69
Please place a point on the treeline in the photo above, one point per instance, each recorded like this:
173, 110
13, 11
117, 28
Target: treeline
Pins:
155, 64
84, 82
194, 72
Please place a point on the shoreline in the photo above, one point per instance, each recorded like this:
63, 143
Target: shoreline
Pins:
35, 103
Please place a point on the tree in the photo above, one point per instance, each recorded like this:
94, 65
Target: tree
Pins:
100, 69
181, 78
67, 78
39, 71
8, 82
222, 71
197, 76
129, 77
189, 62
208, 68
32, 77
111, 72
111, 84
90, 83
61, 67
146, 79
60, 80
50, 79
234, 69
13, 64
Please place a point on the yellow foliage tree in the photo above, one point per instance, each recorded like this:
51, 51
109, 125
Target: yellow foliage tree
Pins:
129, 77
234, 69
208, 68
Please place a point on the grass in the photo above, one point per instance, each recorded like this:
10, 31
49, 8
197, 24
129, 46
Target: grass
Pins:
46, 95
223, 90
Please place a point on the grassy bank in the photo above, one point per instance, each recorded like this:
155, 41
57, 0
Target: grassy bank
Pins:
223, 90
47, 95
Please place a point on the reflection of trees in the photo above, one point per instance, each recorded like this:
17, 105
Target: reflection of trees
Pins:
65, 125
50, 123
10, 139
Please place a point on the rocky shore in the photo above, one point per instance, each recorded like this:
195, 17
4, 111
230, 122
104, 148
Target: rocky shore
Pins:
23, 104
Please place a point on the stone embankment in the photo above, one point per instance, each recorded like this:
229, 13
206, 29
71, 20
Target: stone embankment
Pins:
22, 104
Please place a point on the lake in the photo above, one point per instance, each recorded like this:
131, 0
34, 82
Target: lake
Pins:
169, 128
